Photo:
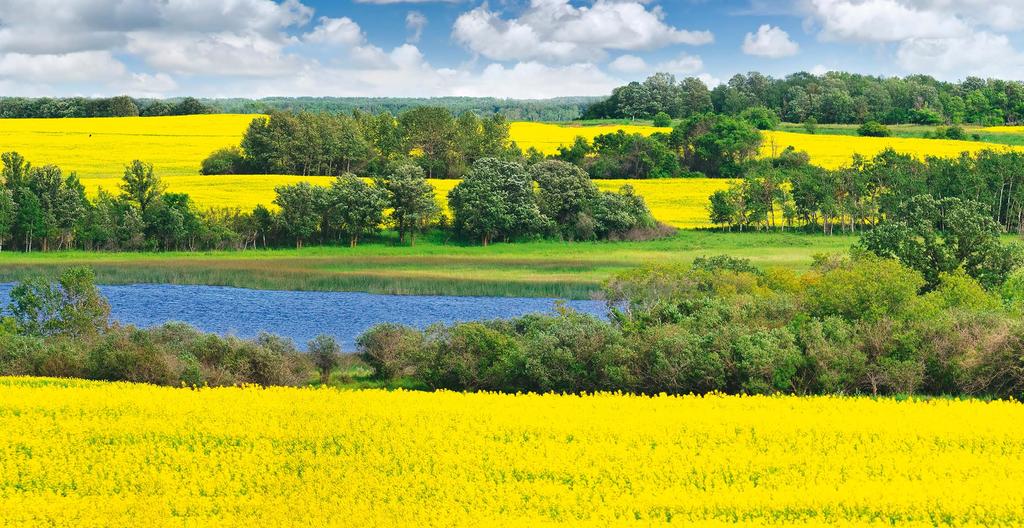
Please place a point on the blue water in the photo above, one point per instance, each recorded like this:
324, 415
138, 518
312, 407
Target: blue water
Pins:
302, 315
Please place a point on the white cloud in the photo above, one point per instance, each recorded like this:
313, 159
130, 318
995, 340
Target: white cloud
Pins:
336, 31
983, 54
771, 42
65, 67
555, 30
882, 20
629, 64
684, 64
415, 22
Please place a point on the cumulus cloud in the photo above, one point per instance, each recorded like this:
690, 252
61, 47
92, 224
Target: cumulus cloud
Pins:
629, 64
882, 20
556, 30
64, 67
336, 31
771, 42
982, 54
948, 39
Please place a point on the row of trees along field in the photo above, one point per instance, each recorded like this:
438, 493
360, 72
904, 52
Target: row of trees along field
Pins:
835, 97
41, 208
788, 191
120, 106
445, 146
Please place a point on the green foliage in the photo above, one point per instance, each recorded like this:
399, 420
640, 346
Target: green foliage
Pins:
716, 145
762, 118
811, 125
354, 207
301, 209
411, 201
70, 307
391, 350
940, 236
833, 97
141, 185
228, 160
873, 129
495, 200
662, 119
325, 353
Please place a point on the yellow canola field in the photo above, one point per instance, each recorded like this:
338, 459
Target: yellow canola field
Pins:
833, 151
547, 138
101, 147
89, 454
98, 148
678, 202
1005, 129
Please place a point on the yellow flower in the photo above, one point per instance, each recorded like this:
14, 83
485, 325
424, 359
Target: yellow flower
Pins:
85, 454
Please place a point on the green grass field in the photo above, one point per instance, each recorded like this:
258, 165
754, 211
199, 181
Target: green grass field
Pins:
433, 266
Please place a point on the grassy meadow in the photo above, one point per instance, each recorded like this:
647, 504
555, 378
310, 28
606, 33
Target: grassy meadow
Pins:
434, 266
91, 454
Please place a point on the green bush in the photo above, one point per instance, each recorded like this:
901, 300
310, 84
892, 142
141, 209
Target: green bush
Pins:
228, 160
661, 119
874, 129
391, 350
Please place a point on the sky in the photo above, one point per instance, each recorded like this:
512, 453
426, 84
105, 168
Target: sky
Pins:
501, 48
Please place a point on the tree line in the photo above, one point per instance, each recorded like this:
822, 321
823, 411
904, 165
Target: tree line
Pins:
445, 146
120, 106
787, 191
43, 209
555, 109
834, 97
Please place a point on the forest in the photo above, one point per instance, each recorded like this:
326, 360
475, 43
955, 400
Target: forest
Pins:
835, 97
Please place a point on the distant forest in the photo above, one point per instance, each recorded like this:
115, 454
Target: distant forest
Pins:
834, 97
559, 109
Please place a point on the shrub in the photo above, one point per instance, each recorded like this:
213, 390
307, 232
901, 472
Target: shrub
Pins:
769, 361
661, 119
811, 125
672, 359
391, 350
761, 117
326, 356
228, 160
129, 354
874, 129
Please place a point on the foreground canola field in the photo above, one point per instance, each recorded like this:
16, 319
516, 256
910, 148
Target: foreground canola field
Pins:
89, 454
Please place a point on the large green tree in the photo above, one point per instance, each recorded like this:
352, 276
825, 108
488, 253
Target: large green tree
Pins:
410, 199
495, 200
140, 185
302, 206
566, 196
939, 236
354, 207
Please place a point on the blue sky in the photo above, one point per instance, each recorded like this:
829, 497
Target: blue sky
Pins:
503, 48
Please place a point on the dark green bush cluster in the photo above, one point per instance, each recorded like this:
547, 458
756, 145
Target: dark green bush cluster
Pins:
850, 326
172, 354
62, 329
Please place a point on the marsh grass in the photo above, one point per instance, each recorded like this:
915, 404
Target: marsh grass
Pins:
434, 266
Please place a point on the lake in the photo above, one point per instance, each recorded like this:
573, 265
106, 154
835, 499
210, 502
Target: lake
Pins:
301, 315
